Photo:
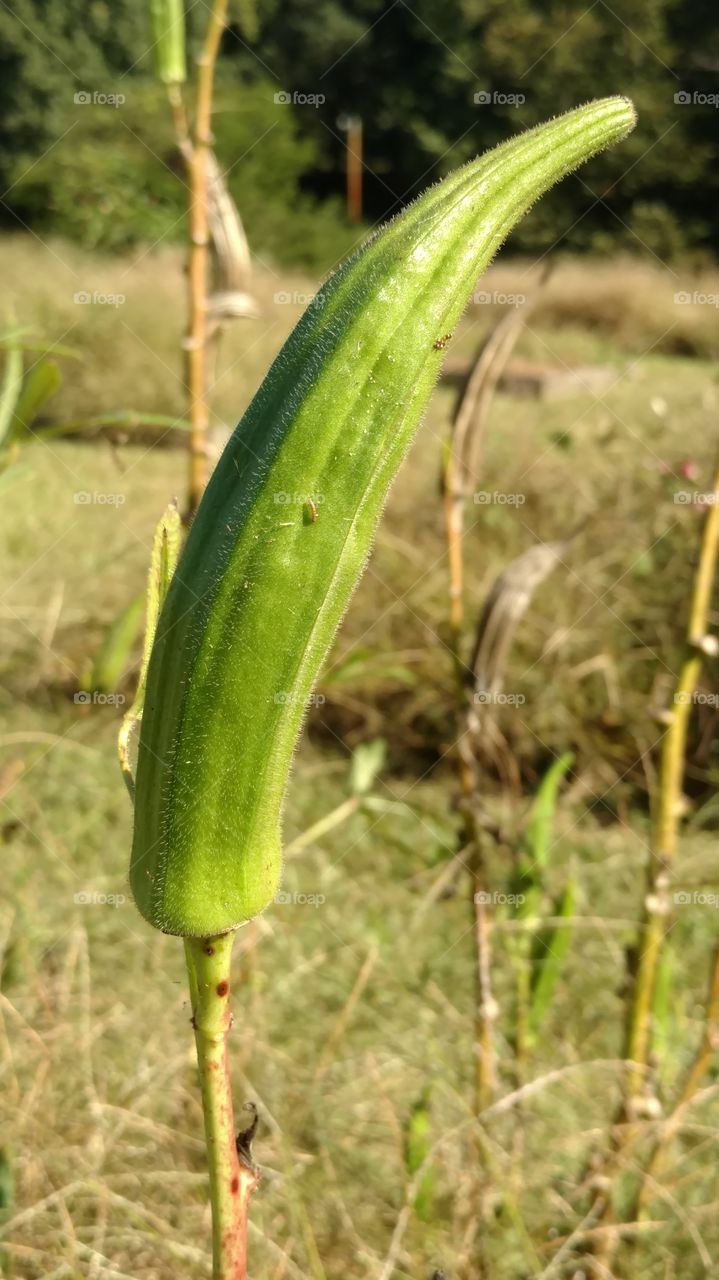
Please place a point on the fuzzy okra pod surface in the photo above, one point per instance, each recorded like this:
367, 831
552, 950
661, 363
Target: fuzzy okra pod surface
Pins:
286, 523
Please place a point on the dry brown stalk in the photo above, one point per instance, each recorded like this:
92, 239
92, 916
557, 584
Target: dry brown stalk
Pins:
460, 474
467, 436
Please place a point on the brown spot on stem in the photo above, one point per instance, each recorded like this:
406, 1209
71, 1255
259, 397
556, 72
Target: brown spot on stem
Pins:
209, 950
235, 1186
222, 988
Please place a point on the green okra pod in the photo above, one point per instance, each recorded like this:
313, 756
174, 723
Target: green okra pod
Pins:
286, 523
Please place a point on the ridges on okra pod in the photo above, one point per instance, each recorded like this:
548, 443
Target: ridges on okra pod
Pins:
261, 587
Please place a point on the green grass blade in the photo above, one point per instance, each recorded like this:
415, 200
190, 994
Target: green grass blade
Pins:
113, 654
528, 882
417, 1147
10, 392
40, 383
538, 832
547, 962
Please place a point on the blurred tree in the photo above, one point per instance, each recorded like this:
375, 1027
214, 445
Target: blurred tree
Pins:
49, 51
411, 73
117, 178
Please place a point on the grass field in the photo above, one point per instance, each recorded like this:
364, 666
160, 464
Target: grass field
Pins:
354, 998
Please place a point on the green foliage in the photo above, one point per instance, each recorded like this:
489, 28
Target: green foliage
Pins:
364, 666
113, 654
49, 51
416, 1150
547, 959
10, 392
247, 11
265, 177
368, 760
334, 417
530, 880
538, 831
429, 61
539, 956
6, 1181
118, 179
411, 73
81, 188
41, 382
22, 395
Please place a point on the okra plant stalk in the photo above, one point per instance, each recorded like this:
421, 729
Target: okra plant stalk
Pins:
670, 804
168, 26
259, 590
655, 923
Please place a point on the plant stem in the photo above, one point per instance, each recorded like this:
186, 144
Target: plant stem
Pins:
485, 1011
697, 1070
454, 502
671, 779
657, 898
323, 825
486, 1006
232, 1178
198, 256
475, 842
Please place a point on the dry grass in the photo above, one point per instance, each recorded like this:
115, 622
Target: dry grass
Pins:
131, 350
589, 311
626, 303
